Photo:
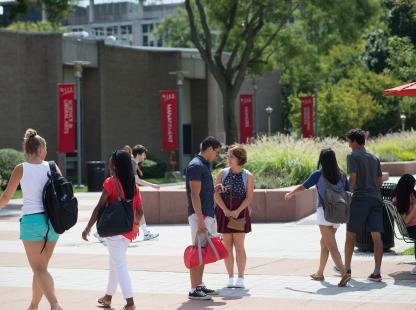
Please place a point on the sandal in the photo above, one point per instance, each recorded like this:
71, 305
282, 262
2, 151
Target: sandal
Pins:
104, 303
133, 307
57, 307
344, 280
317, 278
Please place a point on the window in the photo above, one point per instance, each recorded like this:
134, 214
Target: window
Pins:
1, 10
159, 43
126, 29
151, 28
99, 31
145, 41
152, 43
145, 29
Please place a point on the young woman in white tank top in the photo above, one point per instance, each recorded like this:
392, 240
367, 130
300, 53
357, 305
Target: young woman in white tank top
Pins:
32, 176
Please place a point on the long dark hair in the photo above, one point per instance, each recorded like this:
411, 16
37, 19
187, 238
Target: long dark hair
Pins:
123, 171
405, 187
328, 165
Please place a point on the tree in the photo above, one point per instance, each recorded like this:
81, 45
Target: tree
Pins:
56, 10
245, 29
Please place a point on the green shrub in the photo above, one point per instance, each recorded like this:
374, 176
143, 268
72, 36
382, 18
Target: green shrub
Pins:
395, 147
152, 167
9, 158
282, 161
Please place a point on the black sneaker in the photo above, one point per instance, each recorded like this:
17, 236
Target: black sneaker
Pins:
207, 290
199, 294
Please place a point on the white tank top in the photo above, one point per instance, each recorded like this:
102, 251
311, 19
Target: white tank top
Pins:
33, 180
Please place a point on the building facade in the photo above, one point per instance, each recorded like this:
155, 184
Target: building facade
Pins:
120, 94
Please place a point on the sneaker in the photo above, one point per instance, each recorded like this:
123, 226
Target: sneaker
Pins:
150, 236
413, 271
230, 283
198, 294
239, 283
374, 277
96, 235
339, 272
207, 290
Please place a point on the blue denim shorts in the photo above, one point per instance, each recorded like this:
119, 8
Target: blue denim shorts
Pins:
33, 227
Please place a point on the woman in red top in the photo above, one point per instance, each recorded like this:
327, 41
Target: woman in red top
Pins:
122, 173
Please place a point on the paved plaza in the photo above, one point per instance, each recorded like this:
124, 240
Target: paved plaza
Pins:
280, 258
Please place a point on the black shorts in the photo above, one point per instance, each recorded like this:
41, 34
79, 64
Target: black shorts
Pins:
366, 213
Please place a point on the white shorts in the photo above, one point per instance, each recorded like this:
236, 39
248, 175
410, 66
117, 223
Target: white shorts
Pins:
320, 216
210, 224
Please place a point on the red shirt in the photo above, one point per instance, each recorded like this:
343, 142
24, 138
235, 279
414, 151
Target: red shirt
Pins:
109, 186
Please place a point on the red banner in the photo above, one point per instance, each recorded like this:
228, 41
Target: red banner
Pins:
169, 119
66, 142
246, 118
306, 112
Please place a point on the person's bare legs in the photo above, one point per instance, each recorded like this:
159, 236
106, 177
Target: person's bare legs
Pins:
240, 253
328, 236
323, 258
196, 276
349, 248
229, 261
39, 264
378, 251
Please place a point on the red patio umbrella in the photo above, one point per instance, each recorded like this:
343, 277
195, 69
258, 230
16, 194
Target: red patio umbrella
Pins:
402, 90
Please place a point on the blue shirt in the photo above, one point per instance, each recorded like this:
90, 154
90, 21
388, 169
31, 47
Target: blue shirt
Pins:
316, 178
199, 169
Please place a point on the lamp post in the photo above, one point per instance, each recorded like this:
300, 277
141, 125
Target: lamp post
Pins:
269, 111
403, 118
256, 130
78, 67
180, 76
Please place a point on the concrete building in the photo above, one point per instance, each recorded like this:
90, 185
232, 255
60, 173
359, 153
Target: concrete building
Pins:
120, 93
131, 23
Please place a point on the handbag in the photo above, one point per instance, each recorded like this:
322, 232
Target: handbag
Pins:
238, 224
116, 218
198, 255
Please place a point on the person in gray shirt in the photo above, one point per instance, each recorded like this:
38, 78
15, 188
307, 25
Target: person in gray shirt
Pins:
367, 205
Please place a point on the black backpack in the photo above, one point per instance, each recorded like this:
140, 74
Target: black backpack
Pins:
61, 207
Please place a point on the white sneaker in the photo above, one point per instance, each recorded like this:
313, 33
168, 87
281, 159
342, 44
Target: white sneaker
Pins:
230, 283
150, 236
413, 271
96, 235
239, 283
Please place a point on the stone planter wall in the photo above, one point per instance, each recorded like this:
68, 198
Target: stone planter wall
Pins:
169, 206
397, 169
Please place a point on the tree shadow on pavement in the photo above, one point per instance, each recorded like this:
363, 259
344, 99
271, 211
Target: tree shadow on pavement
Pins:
353, 286
201, 305
404, 278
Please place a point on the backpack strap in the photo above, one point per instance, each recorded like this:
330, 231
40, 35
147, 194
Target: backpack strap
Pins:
245, 178
225, 172
52, 166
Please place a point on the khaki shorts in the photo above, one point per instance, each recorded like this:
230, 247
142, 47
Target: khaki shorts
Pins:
210, 224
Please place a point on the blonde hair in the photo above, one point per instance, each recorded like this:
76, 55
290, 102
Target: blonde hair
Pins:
32, 142
240, 153
127, 148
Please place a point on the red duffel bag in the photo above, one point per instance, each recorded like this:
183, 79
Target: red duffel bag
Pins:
197, 255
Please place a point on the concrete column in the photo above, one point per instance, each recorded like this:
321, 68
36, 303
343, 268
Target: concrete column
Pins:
91, 16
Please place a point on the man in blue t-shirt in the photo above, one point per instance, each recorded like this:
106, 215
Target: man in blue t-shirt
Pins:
200, 193
366, 212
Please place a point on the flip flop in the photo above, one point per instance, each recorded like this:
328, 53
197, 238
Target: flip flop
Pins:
104, 303
317, 278
344, 280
